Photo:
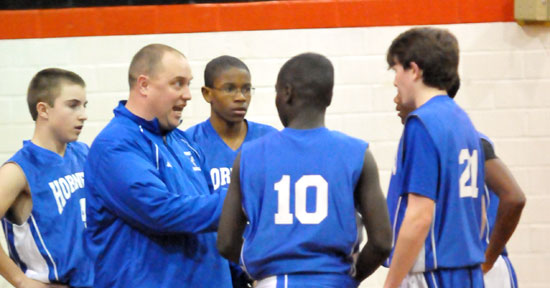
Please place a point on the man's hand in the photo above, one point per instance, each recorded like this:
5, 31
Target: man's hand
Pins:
486, 267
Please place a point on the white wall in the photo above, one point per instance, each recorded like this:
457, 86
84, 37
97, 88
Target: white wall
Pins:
506, 89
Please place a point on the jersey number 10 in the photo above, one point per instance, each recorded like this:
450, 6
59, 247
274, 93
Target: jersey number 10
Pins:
469, 173
283, 215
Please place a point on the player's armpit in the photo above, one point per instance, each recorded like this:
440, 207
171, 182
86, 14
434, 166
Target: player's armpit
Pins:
511, 202
374, 212
233, 219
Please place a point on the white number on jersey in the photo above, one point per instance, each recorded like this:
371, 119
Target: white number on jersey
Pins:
283, 215
469, 173
83, 211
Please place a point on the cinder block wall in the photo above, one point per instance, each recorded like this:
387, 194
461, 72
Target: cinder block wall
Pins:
505, 72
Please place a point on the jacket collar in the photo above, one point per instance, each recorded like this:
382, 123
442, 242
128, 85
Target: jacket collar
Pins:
152, 125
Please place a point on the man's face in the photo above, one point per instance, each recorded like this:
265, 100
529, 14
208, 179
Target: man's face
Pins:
231, 94
169, 90
66, 117
404, 82
403, 111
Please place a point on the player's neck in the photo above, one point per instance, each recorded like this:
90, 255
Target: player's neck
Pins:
425, 94
232, 134
307, 121
44, 138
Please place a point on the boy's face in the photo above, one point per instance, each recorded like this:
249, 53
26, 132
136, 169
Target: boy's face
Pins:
403, 111
230, 95
66, 117
169, 90
404, 82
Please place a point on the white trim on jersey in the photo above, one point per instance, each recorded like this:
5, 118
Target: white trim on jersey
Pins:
157, 155
433, 279
286, 281
5, 222
190, 147
395, 221
433, 238
242, 260
486, 212
353, 254
45, 248
25, 245
509, 266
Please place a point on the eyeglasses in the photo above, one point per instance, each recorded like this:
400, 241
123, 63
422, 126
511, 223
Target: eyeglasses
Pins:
233, 90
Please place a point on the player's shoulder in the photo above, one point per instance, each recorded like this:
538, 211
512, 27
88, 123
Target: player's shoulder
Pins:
120, 133
12, 176
346, 139
197, 131
485, 138
260, 142
80, 148
259, 128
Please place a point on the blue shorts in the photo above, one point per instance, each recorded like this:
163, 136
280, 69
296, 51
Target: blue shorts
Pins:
469, 277
502, 275
313, 280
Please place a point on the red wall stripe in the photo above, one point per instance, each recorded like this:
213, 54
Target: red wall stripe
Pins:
127, 20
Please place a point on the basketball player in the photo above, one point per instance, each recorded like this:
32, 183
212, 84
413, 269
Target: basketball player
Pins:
151, 214
299, 190
436, 186
501, 193
228, 89
41, 197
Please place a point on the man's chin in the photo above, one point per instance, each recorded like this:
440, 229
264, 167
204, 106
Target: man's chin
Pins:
165, 128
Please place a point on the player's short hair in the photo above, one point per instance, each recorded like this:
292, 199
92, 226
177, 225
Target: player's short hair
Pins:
45, 87
311, 76
147, 61
220, 64
434, 50
454, 88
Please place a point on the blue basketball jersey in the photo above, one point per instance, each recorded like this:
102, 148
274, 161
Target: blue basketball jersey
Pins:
440, 157
49, 246
219, 156
298, 194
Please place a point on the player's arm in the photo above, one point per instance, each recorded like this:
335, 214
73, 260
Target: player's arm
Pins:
420, 168
511, 202
233, 219
414, 230
374, 212
12, 184
134, 189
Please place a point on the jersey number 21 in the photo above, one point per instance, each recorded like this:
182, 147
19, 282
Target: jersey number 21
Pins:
469, 173
283, 215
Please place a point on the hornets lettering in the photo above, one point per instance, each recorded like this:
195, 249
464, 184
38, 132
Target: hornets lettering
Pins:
220, 176
64, 187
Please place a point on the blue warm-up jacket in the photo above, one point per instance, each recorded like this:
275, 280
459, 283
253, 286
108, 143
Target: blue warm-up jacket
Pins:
151, 215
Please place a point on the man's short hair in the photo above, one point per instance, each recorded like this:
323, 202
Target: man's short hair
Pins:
220, 64
45, 87
434, 50
147, 61
454, 88
311, 77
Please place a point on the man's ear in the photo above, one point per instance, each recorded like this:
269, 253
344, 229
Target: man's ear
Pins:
42, 109
417, 72
206, 94
143, 84
287, 93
